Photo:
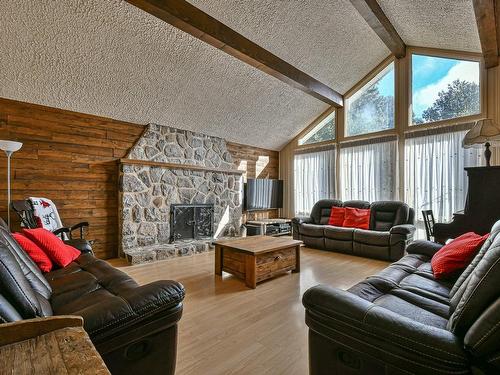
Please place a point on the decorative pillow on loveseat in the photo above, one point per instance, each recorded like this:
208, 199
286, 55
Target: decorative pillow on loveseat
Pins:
453, 257
34, 251
337, 216
357, 218
60, 253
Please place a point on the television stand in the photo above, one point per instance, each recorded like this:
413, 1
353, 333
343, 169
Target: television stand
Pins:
269, 227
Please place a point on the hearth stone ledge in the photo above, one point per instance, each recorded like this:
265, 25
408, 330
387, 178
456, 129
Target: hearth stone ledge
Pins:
153, 253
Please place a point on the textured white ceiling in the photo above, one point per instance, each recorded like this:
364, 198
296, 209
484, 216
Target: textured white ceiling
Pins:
327, 39
447, 24
111, 59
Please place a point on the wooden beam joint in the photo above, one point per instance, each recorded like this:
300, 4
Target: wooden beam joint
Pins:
373, 14
486, 12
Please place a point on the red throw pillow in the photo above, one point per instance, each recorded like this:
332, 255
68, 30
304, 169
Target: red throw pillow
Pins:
357, 218
34, 251
337, 215
60, 253
456, 255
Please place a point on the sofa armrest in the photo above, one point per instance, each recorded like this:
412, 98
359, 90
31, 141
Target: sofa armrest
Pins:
302, 220
296, 223
133, 307
423, 247
344, 317
403, 229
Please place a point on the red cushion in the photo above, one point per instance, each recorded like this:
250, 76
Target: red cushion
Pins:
456, 255
337, 215
357, 218
34, 251
60, 253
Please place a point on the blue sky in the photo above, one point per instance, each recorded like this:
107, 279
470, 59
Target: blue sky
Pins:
430, 75
386, 84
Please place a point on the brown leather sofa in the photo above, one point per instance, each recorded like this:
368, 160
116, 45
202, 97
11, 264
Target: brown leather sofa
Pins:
404, 321
391, 229
133, 327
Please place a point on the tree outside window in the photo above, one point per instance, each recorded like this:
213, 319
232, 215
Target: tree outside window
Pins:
371, 109
324, 131
444, 89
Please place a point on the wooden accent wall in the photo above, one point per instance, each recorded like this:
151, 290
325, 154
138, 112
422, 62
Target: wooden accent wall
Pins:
70, 158
258, 163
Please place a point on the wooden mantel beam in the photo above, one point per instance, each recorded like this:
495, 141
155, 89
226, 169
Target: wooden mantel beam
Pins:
487, 24
188, 18
373, 14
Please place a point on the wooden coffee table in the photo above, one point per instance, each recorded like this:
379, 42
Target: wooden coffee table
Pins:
257, 258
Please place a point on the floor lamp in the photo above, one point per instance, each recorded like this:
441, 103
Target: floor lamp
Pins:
9, 147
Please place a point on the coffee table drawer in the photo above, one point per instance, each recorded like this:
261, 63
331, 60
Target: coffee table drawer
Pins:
270, 263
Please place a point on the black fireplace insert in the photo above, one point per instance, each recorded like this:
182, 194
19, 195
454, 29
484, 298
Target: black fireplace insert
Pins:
191, 221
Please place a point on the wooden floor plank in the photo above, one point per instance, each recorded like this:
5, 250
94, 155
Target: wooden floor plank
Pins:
228, 328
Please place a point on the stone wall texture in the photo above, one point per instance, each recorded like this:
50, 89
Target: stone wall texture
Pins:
146, 192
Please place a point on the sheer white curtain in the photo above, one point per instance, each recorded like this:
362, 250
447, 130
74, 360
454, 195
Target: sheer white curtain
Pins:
369, 171
314, 179
434, 174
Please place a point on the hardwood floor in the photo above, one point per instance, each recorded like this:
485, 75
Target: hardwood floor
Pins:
228, 328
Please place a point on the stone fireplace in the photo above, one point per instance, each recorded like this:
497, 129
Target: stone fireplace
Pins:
166, 175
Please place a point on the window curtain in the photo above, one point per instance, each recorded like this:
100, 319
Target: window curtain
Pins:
314, 179
434, 174
369, 170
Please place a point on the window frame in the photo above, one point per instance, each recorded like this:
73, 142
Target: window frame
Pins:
358, 86
457, 55
315, 123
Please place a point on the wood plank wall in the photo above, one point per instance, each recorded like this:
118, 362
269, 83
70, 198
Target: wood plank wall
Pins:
71, 158
258, 163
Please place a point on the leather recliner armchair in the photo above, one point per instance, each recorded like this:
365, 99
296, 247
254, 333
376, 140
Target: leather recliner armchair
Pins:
133, 327
391, 229
404, 321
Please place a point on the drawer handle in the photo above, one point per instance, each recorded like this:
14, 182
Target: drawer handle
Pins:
277, 258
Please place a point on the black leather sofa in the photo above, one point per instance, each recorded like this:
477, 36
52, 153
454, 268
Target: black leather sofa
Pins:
404, 321
133, 327
391, 229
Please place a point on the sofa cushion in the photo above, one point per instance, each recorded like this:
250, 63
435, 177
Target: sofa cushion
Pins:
408, 288
320, 213
386, 214
371, 237
339, 233
356, 218
60, 253
456, 255
16, 288
357, 204
337, 216
417, 306
30, 270
312, 230
479, 290
107, 298
34, 251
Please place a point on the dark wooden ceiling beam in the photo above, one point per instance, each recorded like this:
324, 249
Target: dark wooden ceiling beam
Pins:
188, 18
486, 19
373, 14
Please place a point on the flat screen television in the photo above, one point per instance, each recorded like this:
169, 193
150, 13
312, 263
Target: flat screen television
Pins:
263, 194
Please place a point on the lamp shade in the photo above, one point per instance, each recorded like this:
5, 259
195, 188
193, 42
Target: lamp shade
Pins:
485, 130
10, 146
